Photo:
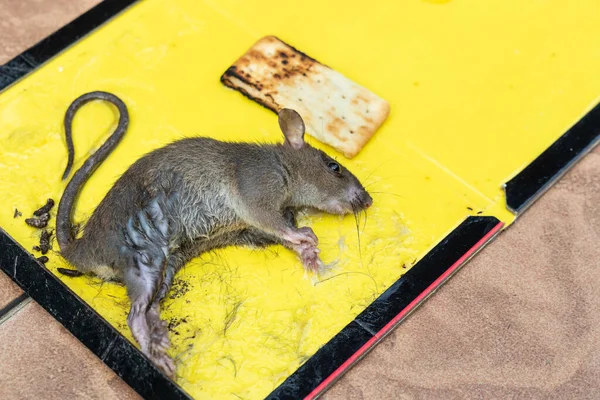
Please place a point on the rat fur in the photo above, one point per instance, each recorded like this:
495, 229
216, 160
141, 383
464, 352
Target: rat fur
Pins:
192, 196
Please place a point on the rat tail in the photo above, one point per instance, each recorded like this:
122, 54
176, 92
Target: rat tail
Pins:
64, 234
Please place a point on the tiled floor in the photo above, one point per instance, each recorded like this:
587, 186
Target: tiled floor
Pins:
520, 321
41, 360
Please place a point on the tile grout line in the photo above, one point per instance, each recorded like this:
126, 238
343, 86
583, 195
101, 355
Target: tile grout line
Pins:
14, 307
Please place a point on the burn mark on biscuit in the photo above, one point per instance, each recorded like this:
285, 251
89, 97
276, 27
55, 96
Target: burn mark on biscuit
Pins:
271, 62
226, 79
303, 56
270, 96
256, 55
232, 72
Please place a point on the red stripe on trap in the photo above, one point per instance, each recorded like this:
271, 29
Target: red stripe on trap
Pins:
390, 325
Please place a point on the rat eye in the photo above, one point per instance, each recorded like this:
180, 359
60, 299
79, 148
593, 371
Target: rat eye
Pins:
335, 167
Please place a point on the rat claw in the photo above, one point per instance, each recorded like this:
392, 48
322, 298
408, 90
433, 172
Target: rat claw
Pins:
309, 255
170, 368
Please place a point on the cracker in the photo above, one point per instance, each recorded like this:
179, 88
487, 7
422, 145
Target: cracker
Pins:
336, 111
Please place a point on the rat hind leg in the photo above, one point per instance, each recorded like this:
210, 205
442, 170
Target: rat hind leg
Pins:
159, 334
142, 284
147, 244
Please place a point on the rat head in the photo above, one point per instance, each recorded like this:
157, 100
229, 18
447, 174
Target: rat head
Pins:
324, 183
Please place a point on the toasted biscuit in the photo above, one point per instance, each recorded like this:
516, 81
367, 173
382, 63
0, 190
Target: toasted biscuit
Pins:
336, 110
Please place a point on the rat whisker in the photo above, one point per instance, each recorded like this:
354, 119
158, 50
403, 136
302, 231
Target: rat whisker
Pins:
391, 194
374, 170
383, 179
357, 220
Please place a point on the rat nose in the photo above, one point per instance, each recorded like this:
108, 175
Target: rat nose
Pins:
360, 198
367, 200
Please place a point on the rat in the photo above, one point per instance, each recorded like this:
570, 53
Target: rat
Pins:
192, 196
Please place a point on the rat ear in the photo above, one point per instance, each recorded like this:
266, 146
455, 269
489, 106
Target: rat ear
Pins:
292, 126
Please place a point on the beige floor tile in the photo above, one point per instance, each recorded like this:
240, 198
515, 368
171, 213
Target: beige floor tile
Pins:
23, 23
40, 359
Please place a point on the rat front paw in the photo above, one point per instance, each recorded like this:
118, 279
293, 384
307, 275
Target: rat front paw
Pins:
309, 255
304, 235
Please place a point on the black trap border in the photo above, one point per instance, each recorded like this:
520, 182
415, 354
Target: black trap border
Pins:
522, 190
327, 365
